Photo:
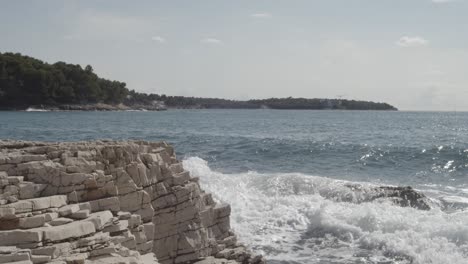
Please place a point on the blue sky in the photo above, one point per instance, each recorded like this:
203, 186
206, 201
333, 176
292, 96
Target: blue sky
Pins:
410, 53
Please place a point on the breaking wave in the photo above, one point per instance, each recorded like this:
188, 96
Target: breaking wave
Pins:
299, 218
32, 109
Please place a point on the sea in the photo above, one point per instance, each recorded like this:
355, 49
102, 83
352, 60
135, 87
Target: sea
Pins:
287, 175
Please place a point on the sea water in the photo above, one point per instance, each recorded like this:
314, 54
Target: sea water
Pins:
287, 174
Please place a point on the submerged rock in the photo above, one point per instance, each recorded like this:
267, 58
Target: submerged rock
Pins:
401, 196
404, 196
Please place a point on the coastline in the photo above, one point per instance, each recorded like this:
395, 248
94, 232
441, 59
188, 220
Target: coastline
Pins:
121, 107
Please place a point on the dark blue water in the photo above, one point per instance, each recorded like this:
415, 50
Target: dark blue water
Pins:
283, 172
396, 147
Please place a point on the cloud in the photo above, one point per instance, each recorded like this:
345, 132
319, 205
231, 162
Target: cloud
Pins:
96, 25
158, 39
411, 42
213, 41
261, 15
442, 1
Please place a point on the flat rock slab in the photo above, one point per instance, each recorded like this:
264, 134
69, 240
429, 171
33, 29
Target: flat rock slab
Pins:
18, 237
60, 221
71, 230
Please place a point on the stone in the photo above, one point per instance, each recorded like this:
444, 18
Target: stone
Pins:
100, 219
39, 259
18, 237
124, 215
7, 213
12, 189
54, 251
15, 179
98, 238
68, 209
60, 221
109, 202
23, 206
76, 259
32, 222
67, 231
134, 221
181, 178
28, 190
13, 258
149, 230
81, 214
12, 199
8, 250
212, 260
51, 216
120, 226
48, 202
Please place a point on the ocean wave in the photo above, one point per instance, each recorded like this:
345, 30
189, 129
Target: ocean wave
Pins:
299, 218
31, 109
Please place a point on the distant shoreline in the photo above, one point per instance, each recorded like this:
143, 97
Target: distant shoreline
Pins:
29, 83
124, 108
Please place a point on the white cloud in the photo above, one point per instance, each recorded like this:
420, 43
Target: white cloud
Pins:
211, 41
261, 15
442, 1
415, 41
92, 24
158, 39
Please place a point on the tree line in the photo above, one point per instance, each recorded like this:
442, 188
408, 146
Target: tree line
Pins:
26, 81
29, 81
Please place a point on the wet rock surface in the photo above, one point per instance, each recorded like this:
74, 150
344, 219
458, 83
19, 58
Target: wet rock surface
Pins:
108, 202
401, 196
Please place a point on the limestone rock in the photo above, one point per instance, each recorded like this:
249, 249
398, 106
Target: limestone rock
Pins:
108, 202
67, 231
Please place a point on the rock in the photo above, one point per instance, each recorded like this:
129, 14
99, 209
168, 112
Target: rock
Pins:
28, 190
406, 196
100, 219
7, 213
18, 237
124, 215
39, 259
14, 258
15, 179
32, 222
212, 260
68, 209
109, 202
81, 214
60, 221
76, 259
50, 216
122, 225
67, 231
401, 196
54, 251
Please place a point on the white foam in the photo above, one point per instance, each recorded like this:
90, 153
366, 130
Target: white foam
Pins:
31, 109
296, 217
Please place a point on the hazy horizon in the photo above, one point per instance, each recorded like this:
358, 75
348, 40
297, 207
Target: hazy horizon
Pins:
410, 54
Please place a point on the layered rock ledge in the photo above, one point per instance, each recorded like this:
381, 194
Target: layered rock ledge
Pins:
108, 202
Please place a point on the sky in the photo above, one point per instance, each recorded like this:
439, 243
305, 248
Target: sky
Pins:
412, 54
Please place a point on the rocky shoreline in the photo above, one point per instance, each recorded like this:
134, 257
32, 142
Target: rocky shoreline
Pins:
108, 202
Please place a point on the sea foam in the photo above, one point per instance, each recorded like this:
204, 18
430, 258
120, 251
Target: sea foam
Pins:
298, 218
